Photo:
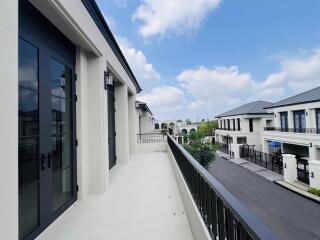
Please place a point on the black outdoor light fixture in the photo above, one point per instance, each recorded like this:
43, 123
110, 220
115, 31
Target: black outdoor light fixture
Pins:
310, 144
312, 175
306, 113
108, 79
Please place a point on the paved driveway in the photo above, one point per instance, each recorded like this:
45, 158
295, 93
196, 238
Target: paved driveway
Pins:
287, 214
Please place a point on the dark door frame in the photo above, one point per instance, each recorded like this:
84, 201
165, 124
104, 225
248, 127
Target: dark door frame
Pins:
45, 176
111, 126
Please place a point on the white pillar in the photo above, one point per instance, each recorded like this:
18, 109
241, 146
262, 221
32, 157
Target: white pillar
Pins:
133, 118
290, 119
289, 167
122, 124
314, 173
236, 150
96, 162
9, 119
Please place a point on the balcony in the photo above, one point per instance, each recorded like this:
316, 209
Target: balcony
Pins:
159, 195
293, 130
230, 129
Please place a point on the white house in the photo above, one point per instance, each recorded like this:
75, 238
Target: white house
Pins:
146, 119
296, 129
70, 90
243, 125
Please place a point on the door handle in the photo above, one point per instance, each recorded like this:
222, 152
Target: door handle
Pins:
49, 160
43, 161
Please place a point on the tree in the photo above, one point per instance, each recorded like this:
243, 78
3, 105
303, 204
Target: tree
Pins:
207, 128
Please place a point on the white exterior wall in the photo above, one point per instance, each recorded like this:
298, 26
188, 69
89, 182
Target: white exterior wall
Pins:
304, 139
312, 141
9, 119
253, 138
92, 57
146, 121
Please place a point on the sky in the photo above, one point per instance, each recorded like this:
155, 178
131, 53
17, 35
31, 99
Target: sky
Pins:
195, 59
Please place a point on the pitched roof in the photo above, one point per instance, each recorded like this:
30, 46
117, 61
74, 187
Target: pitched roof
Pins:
256, 107
312, 95
143, 106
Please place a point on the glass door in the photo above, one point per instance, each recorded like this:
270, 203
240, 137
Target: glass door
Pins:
47, 180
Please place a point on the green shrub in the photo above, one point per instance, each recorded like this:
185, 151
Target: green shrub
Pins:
314, 191
203, 153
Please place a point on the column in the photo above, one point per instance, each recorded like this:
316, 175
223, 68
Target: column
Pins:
122, 124
314, 173
289, 168
290, 120
133, 123
9, 120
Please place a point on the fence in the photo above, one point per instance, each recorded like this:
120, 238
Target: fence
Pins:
225, 217
151, 138
223, 147
269, 161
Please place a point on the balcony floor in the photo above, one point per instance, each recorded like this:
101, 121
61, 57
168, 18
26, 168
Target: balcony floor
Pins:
142, 202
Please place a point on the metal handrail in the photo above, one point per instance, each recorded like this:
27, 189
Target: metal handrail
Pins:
293, 130
223, 214
151, 137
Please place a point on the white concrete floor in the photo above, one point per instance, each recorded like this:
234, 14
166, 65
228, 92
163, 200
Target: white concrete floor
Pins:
142, 202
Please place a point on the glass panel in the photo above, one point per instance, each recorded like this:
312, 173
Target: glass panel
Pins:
28, 65
28, 139
61, 134
318, 121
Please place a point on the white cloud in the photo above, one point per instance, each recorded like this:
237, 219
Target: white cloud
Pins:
297, 73
164, 99
160, 17
216, 84
144, 71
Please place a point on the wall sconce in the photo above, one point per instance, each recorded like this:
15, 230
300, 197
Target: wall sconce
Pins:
312, 175
275, 115
310, 144
285, 165
108, 79
306, 113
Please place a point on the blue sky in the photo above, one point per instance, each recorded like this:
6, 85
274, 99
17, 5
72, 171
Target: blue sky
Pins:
197, 58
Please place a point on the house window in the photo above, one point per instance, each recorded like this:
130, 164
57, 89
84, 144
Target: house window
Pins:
251, 124
234, 124
284, 121
241, 140
299, 118
318, 120
238, 120
228, 124
224, 124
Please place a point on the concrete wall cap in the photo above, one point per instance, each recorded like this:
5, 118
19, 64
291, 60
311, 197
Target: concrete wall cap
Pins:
288, 155
314, 162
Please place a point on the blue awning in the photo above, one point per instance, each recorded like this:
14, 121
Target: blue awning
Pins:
274, 144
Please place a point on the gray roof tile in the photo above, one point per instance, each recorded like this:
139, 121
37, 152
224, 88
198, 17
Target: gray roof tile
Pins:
256, 107
312, 95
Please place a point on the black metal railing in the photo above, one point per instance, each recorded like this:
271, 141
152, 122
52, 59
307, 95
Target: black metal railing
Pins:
303, 171
230, 129
151, 137
223, 147
270, 161
225, 217
294, 130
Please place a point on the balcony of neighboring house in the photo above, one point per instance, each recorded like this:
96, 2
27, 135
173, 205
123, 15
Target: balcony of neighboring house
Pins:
161, 193
313, 131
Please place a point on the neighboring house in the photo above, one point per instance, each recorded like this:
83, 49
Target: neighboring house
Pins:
178, 127
243, 125
295, 129
146, 119
69, 114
